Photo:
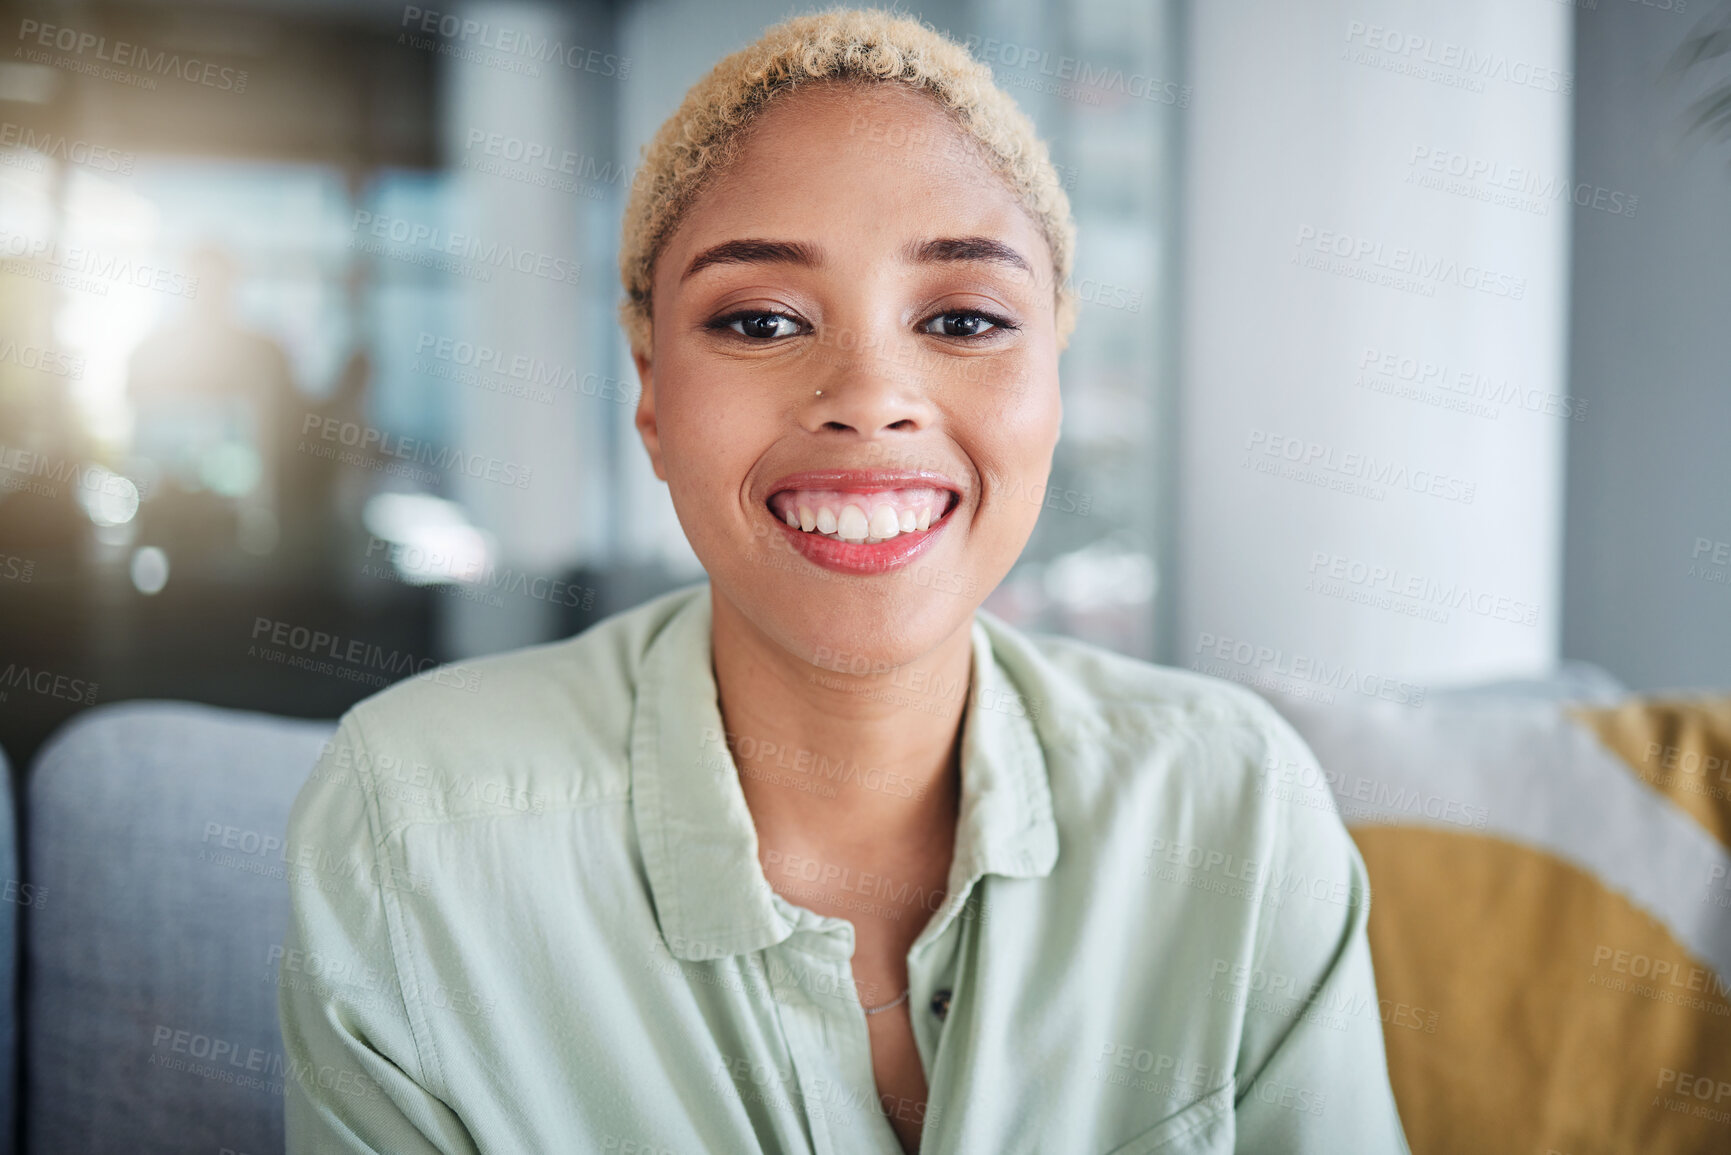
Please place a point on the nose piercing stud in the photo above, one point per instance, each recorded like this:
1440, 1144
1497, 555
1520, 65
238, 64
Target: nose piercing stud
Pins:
820, 392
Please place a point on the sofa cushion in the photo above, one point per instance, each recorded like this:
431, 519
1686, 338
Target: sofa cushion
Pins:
150, 965
1550, 917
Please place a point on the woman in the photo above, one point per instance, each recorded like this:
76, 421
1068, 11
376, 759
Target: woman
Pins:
818, 856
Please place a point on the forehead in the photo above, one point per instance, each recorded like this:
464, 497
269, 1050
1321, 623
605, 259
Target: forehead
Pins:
856, 117
877, 157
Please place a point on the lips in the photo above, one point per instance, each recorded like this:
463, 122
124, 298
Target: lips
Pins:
862, 521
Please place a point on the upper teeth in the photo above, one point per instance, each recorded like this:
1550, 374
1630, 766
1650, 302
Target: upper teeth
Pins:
861, 517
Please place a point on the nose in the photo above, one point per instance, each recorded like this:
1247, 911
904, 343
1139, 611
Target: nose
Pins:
867, 392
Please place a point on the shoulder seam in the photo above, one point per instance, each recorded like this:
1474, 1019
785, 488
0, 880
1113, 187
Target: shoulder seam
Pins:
431, 1073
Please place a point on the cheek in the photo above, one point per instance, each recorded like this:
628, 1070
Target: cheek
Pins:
1020, 427
1020, 435
709, 431
1040, 417
687, 393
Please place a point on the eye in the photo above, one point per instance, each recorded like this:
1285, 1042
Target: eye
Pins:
758, 325
966, 324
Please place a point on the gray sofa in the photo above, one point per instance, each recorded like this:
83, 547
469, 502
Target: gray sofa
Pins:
148, 978
8, 963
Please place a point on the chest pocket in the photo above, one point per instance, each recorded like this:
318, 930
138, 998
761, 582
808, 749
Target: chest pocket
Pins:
1203, 1128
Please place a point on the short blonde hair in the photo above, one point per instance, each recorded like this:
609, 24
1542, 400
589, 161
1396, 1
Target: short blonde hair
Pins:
707, 132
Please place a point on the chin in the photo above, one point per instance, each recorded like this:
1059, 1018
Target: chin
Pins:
853, 625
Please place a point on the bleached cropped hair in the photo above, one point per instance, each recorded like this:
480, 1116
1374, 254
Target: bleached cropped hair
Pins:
707, 132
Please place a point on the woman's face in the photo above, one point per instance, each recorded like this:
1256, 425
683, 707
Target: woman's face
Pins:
853, 387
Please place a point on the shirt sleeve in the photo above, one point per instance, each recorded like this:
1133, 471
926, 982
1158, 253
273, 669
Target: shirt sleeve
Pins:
1312, 1077
355, 1079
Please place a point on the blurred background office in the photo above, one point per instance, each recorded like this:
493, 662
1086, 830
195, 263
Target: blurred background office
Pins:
1403, 346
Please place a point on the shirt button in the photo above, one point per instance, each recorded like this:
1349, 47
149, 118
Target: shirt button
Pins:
941, 1003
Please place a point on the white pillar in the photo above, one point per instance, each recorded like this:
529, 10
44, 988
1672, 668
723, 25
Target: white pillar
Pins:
1369, 340
521, 204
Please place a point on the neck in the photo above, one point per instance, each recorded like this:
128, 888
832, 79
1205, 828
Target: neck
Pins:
836, 760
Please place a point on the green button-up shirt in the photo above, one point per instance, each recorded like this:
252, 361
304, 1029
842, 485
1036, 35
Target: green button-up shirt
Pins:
529, 917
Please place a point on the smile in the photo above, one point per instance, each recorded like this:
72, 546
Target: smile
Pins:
862, 522
842, 515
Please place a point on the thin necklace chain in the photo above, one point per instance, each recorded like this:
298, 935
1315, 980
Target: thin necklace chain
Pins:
887, 1006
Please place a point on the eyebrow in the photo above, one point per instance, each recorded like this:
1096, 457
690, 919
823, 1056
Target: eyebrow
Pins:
755, 252
966, 249
749, 252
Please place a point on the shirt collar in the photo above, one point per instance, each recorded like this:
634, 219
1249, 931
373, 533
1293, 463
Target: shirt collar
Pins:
698, 841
